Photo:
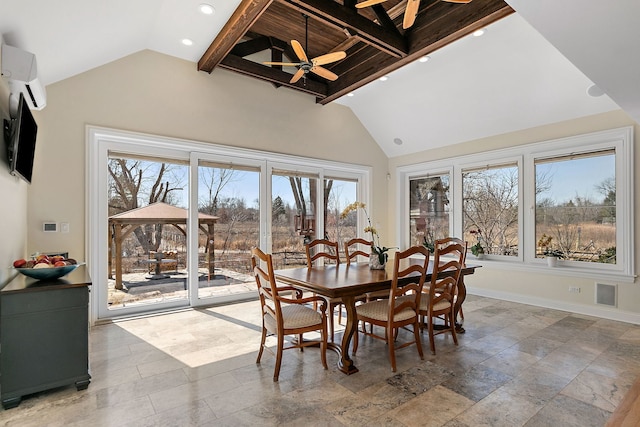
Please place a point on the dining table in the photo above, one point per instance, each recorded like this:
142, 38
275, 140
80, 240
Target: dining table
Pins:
351, 281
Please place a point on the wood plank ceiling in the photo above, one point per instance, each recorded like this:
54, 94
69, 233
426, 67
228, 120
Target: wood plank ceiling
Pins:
372, 37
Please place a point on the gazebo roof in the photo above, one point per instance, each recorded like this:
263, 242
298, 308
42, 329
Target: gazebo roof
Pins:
158, 213
124, 223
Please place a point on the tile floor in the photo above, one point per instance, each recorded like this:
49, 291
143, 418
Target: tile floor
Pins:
517, 365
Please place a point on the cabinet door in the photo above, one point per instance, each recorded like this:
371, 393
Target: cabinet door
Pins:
46, 345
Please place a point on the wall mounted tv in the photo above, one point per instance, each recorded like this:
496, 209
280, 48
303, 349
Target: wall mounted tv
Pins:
21, 140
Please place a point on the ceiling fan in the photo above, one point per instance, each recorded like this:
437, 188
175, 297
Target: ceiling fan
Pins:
410, 12
313, 65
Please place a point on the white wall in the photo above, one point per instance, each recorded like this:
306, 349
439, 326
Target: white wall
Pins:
13, 200
543, 287
157, 94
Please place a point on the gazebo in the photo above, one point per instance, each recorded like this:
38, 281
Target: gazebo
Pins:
123, 224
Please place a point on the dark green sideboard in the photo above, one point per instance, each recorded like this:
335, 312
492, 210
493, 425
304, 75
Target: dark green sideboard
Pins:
44, 335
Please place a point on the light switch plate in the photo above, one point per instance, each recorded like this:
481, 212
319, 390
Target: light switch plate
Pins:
64, 227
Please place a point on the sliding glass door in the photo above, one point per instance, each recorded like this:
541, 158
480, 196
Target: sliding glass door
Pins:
147, 207
172, 223
229, 193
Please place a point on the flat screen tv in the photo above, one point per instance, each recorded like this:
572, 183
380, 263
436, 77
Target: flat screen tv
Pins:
22, 142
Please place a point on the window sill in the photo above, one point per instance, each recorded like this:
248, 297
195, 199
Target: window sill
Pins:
560, 270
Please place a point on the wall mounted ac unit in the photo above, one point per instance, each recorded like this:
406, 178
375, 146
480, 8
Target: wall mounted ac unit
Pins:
19, 68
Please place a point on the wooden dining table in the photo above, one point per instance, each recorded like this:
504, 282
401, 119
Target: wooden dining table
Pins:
350, 281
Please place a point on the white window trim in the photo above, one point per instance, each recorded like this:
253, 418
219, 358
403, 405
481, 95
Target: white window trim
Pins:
621, 139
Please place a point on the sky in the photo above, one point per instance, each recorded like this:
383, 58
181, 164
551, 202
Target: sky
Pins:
578, 177
567, 179
245, 185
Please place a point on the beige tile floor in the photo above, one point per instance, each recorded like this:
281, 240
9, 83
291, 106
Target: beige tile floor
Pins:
517, 365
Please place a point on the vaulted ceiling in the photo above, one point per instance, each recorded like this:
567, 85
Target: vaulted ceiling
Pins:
529, 69
372, 37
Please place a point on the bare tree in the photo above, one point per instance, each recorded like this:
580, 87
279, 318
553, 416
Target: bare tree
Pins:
214, 179
607, 212
490, 200
134, 182
297, 188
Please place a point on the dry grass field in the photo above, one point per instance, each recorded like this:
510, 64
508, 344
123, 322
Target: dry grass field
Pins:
233, 243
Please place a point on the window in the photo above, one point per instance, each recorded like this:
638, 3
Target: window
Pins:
429, 209
490, 208
576, 207
578, 191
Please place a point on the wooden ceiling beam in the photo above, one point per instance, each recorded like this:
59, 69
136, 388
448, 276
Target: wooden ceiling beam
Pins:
242, 19
273, 75
250, 47
350, 4
341, 17
368, 64
384, 19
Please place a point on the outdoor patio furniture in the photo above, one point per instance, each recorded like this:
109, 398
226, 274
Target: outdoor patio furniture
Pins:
160, 262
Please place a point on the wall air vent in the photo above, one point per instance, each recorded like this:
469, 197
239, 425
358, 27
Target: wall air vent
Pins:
607, 294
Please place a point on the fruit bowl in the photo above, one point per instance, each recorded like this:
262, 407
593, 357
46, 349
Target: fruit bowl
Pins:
48, 273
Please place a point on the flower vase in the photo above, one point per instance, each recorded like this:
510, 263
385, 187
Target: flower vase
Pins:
374, 262
552, 261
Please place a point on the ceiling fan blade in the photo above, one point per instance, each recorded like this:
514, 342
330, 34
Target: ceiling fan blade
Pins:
323, 72
458, 1
297, 48
291, 64
329, 58
410, 13
297, 75
368, 3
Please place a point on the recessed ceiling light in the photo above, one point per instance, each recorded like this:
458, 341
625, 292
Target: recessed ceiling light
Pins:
207, 9
397, 141
595, 91
187, 42
384, 78
479, 32
424, 58
350, 94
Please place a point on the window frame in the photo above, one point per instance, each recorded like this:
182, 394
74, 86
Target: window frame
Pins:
426, 176
403, 227
490, 164
621, 140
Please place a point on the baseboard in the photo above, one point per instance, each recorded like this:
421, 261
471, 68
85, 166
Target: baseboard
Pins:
605, 313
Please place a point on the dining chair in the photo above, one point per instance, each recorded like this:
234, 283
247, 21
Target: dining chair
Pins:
438, 302
283, 315
329, 250
401, 308
322, 248
352, 248
351, 251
